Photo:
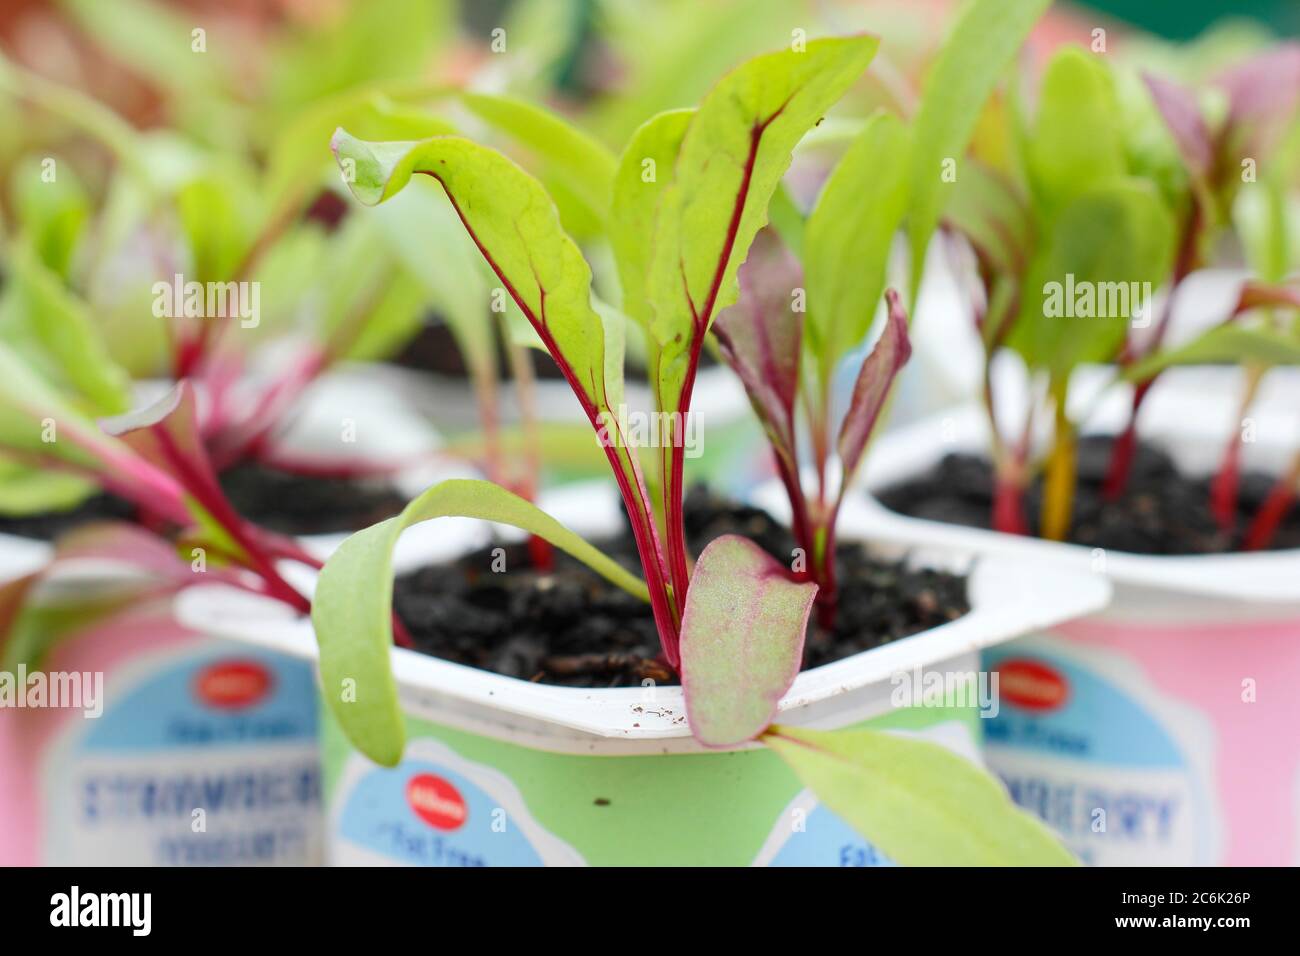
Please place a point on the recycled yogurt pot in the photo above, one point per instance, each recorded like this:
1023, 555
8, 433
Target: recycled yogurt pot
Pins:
500, 771
1162, 729
187, 722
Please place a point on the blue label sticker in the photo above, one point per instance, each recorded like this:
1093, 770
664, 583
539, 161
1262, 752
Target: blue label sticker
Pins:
808, 834
437, 809
1083, 741
203, 756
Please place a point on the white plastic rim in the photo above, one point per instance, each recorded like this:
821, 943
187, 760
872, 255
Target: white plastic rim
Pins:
1008, 599
1172, 419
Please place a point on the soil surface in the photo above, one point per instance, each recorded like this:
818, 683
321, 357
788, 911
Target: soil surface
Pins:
571, 627
1162, 511
434, 349
48, 526
276, 500
306, 504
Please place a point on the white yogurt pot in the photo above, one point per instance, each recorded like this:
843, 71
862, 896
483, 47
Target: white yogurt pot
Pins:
206, 751
607, 777
1164, 729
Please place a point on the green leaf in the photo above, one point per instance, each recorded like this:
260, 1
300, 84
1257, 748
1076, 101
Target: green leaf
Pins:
995, 218
300, 154
921, 804
1228, 343
976, 52
217, 213
51, 213
644, 172
424, 233
742, 640
570, 157
1101, 249
39, 425
732, 158
848, 239
364, 44
352, 609
1076, 143
516, 227
32, 491
673, 57
61, 337
28, 404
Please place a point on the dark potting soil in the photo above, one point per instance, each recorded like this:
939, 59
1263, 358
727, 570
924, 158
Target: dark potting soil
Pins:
277, 500
307, 504
48, 526
1162, 511
571, 627
434, 349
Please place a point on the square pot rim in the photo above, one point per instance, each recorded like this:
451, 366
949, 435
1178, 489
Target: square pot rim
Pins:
1265, 576
1008, 597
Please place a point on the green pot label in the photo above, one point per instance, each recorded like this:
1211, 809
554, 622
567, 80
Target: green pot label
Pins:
438, 809
808, 834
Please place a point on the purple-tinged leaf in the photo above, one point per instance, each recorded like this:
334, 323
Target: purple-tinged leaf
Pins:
890, 353
1265, 89
735, 151
761, 335
742, 640
1182, 115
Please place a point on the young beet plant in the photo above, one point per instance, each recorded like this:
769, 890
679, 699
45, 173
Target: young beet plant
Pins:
690, 195
152, 459
1070, 241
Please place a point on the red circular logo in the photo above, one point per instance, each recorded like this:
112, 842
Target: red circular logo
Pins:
1032, 684
436, 802
233, 685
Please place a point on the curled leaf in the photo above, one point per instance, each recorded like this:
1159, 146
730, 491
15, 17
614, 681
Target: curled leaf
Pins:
352, 609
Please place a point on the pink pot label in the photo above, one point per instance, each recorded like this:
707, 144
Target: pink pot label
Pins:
200, 759
204, 754
1155, 744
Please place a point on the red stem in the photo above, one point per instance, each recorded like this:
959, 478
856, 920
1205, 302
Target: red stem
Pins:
1225, 485
1281, 498
1008, 507
1125, 447
666, 609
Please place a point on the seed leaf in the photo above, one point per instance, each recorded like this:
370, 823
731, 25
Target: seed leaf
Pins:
742, 640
